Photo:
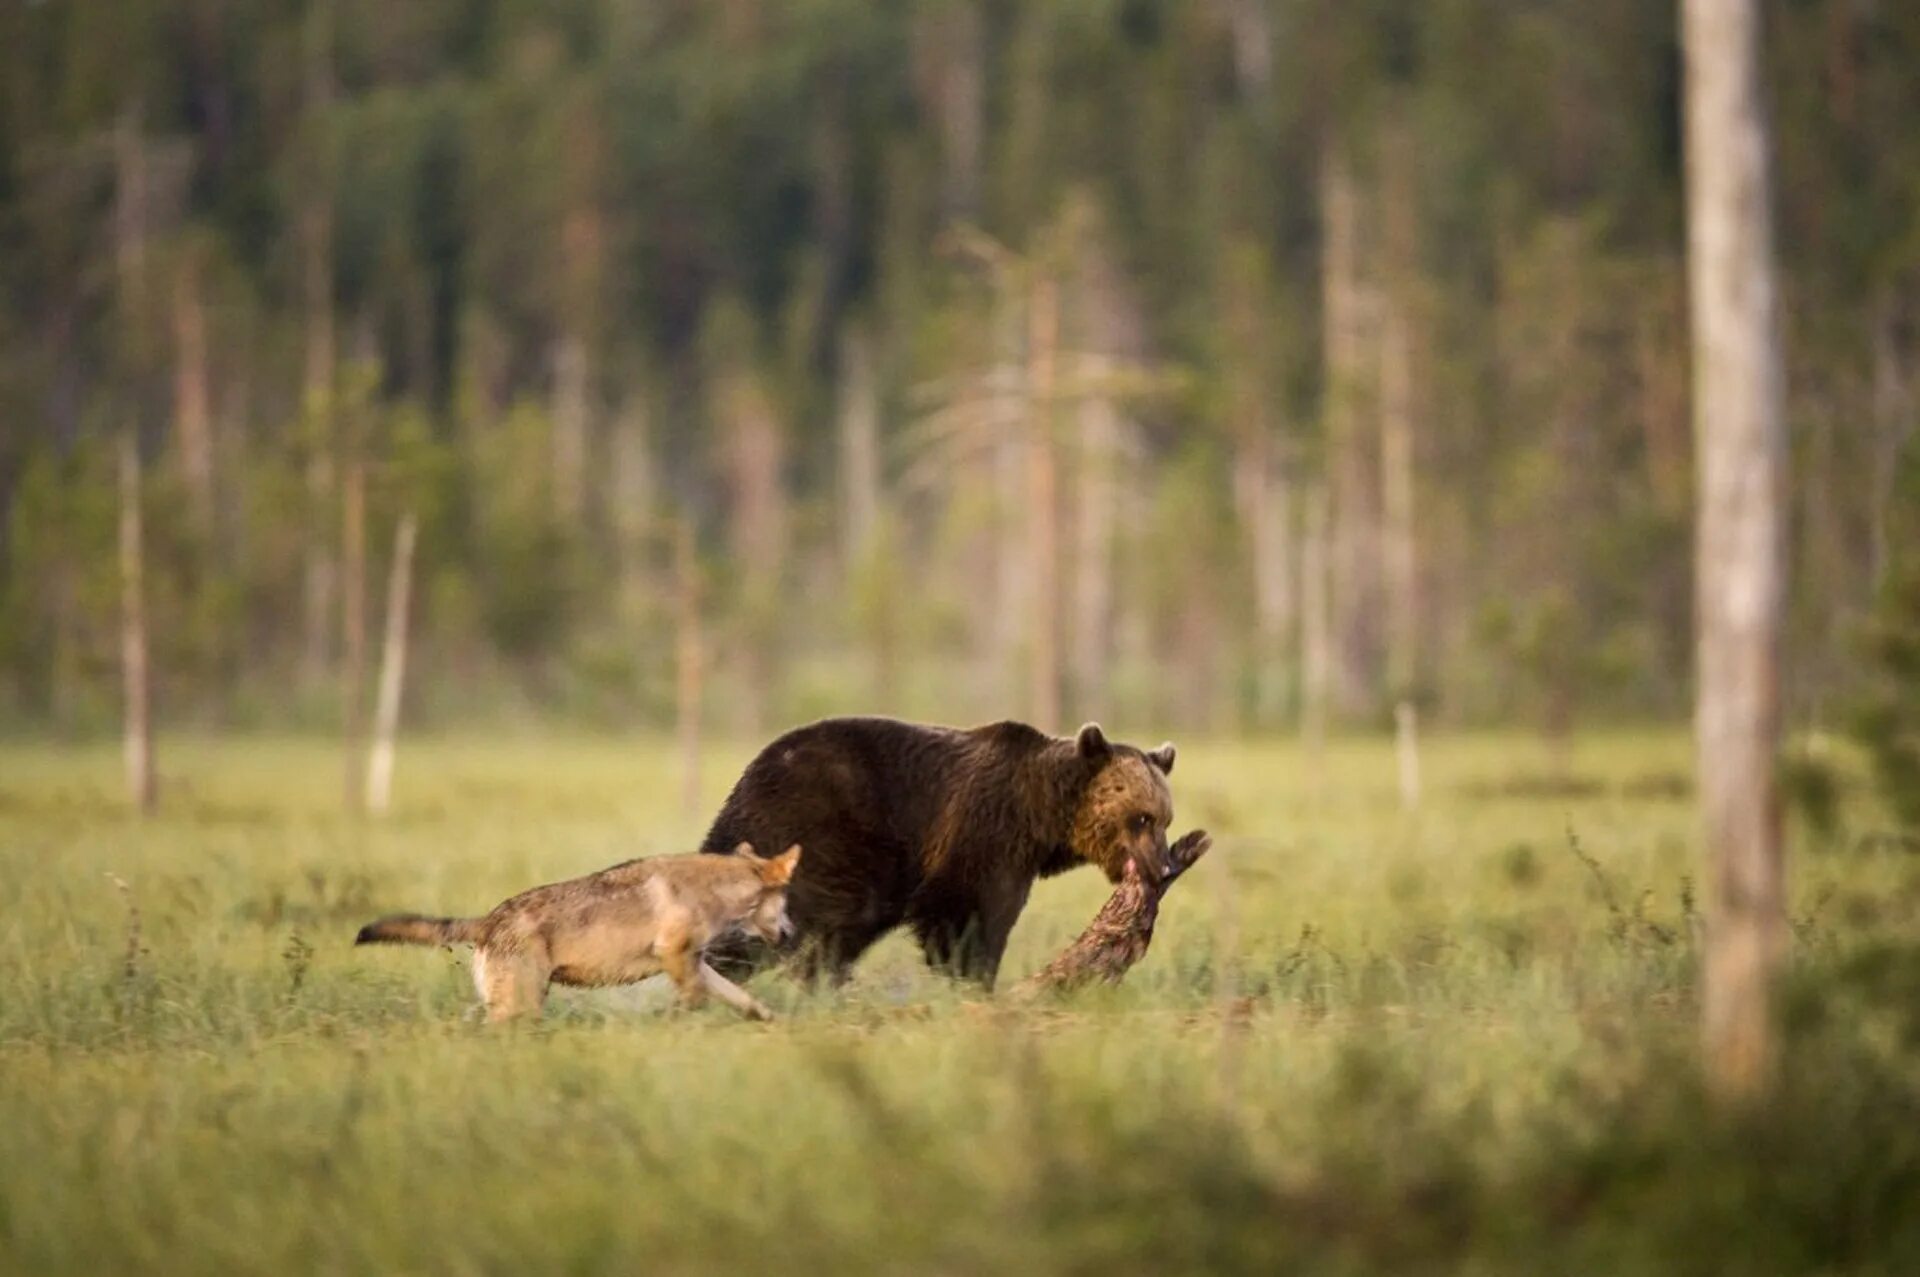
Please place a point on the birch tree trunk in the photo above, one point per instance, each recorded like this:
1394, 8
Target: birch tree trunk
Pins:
1397, 544
1043, 513
632, 481
1095, 498
755, 458
1316, 621
1739, 538
949, 49
1342, 340
192, 408
316, 251
130, 220
570, 428
137, 738
393, 669
353, 624
689, 661
859, 422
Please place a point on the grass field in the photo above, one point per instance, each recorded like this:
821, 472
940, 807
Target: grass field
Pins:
1362, 1041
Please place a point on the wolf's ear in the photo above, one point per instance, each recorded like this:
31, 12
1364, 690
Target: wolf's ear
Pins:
779, 871
745, 852
1091, 743
1162, 758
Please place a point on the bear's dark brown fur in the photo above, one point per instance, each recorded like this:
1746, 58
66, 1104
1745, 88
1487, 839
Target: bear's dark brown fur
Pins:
941, 828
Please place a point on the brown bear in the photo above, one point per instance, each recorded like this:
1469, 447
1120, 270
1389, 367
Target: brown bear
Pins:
940, 828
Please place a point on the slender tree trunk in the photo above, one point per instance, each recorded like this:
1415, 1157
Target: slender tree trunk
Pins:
353, 624
570, 379
192, 408
316, 250
1739, 566
1043, 505
1094, 516
393, 669
1396, 485
1251, 28
949, 56
1893, 421
1316, 621
1343, 339
130, 222
632, 500
1273, 590
859, 421
755, 459
689, 663
136, 685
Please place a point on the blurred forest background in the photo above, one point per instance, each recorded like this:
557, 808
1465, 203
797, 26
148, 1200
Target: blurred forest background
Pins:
1240, 365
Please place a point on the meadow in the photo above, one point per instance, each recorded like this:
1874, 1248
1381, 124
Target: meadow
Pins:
1364, 1040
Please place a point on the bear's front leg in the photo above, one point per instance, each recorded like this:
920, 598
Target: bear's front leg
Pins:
969, 942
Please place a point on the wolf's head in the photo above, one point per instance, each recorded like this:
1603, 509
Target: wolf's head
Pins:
767, 916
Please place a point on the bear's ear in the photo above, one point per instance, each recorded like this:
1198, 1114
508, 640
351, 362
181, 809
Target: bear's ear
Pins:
779, 871
1092, 742
1162, 758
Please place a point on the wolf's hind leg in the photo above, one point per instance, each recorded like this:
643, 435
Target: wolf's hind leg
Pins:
731, 994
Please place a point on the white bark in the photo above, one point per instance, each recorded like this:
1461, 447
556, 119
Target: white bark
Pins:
689, 662
1316, 620
859, 422
137, 723
1095, 499
1739, 542
192, 407
1043, 515
570, 428
1343, 339
393, 669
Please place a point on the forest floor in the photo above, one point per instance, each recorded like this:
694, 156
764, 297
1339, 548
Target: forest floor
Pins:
1363, 1040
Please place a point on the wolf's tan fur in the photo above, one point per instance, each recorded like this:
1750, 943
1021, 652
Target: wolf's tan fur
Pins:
623, 924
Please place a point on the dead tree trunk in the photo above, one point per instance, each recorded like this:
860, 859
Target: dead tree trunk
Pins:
353, 624
1119, 934
1043, 513
949, 50
859, 422
1739, 539
1316, 622
393, 669
1096, 499
138, 722
316, 249
632, 499
130, 219
689, 661
1342, 343
570, 429
192, 409
1396, 482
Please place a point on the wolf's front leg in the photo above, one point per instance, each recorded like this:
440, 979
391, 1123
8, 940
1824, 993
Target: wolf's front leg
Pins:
731, 994
683, 966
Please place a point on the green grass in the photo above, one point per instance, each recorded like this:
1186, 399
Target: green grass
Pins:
1361, 1042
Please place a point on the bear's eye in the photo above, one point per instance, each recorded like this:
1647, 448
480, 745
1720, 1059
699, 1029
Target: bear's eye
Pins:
1141, 820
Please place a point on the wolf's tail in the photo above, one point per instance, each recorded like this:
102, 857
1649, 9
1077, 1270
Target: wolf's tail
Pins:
412, 928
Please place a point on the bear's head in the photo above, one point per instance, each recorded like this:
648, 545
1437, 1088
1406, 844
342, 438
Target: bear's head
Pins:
1125, 807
